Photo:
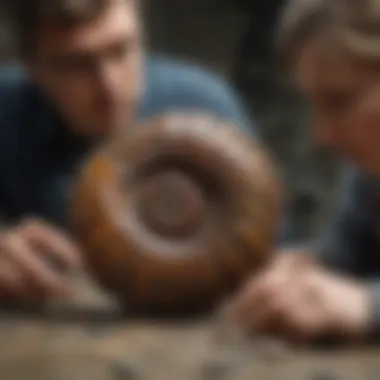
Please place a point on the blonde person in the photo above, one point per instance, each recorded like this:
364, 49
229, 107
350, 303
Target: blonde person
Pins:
331, 50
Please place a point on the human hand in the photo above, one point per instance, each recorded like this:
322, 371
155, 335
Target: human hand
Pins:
35, 259
299, 300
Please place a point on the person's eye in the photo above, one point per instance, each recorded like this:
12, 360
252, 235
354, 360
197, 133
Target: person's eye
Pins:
72, 64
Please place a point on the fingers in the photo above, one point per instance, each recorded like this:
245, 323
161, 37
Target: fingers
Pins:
27, 257
258, 292
285, 315
31, 266
11, 279
294, 319
261, 310
281, 301
46, 239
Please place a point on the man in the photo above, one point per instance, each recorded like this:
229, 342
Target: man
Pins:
84, 77
331, 289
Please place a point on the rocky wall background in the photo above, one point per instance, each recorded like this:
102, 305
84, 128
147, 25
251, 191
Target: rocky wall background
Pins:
234, 38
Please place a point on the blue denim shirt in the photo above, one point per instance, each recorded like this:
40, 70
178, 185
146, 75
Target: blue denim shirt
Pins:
38, 156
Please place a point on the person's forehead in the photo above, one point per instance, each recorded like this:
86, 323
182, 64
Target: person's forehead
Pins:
116, 22
320, 64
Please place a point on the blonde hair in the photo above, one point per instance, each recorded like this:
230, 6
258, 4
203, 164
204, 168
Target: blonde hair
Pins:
352, 24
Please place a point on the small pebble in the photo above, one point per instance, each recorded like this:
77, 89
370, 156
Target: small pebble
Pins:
215, 370
122, 370
271, 351
323, 375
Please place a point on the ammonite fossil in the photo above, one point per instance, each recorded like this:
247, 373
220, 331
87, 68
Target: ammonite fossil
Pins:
173, 215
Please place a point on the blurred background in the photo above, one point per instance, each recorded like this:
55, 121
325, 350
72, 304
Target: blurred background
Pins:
235, 39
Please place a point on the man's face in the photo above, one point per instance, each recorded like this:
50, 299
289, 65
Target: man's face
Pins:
92, 71
344, 95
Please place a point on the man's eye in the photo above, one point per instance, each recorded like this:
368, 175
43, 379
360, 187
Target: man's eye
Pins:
70, 64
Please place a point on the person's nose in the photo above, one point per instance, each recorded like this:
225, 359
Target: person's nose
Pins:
108, 79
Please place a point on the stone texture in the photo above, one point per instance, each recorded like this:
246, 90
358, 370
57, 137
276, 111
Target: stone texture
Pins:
42, 346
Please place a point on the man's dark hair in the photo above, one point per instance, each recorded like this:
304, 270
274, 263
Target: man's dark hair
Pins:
27, 17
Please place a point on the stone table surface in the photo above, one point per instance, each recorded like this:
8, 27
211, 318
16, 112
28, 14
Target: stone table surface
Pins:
88, 339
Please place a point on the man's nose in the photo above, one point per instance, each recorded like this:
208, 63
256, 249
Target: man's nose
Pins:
108, 78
